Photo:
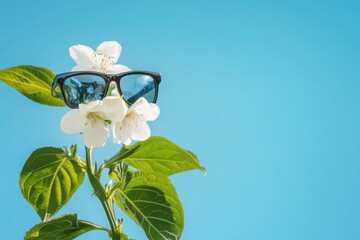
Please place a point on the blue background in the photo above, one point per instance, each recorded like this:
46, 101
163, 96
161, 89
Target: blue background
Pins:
266, 93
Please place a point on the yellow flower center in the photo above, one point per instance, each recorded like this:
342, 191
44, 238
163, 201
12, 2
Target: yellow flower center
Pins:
92, 117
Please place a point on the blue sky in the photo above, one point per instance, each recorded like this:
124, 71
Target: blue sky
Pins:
266, 93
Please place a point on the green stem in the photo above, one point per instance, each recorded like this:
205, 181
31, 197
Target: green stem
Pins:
102, 196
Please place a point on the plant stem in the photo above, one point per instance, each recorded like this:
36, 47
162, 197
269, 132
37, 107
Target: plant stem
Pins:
102, 196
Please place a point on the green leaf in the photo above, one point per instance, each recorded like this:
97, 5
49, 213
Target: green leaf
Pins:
118, 171
66, 227
49, 178
33, 82
157, 154
151, 201
124, 236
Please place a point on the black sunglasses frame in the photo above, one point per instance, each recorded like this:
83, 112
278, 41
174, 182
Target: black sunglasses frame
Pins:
108, 78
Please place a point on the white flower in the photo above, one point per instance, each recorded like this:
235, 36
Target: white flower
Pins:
134, 125
90, 120
101, 60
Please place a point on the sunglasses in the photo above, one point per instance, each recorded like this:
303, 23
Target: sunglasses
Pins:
86, 86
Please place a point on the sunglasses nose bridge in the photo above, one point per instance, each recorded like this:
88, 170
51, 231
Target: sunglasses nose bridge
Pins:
113, 81
113, 78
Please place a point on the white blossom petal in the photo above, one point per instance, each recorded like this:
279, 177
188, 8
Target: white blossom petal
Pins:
121, 132
115, 129
110, 49
73, 122
150, 112
140, 130
83, 55
140, 103
114, 108
125, 134
93, 106
95, 134
117, 68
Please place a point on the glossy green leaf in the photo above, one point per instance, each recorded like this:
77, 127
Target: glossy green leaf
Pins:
49, 178
151, 201
157, 154
66, 227
33, 82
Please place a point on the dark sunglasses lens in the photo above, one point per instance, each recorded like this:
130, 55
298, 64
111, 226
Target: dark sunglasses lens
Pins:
83, 89
135, 86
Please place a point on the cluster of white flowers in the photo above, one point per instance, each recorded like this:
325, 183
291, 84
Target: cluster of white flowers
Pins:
95, 119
